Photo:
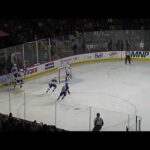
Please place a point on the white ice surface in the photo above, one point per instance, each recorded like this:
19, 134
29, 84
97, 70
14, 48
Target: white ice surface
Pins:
111, 88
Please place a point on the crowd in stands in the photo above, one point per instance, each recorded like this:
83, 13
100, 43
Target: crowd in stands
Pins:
26, 30
23, 30
8, 123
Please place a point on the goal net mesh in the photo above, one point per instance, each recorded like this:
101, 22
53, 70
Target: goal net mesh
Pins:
62, 74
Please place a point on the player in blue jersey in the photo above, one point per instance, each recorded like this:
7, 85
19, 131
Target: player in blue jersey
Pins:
64, 91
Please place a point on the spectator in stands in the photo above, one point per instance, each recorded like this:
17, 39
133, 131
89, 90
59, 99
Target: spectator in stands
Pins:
8, 123
10, 115
2, 63
110, 45
98, 123
4, 122
34, 126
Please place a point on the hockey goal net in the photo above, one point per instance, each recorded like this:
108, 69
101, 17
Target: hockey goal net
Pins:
62, 73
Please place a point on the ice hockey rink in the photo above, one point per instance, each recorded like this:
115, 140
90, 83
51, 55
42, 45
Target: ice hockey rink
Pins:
113, 89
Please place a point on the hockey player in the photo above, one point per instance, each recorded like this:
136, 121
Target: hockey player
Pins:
64, 91
22, 75
68, 72
14, 71
19, 80
52, 83
68, 65
127, 53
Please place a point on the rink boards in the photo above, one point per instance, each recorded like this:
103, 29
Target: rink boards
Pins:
77, 60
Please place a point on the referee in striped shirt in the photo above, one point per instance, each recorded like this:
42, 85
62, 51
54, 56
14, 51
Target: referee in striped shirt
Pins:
127, 58
98, 123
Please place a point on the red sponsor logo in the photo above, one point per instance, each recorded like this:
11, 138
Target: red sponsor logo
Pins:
30, 71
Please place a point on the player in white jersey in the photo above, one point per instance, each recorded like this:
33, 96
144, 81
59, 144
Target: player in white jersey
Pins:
64, 91
22, 73
68, 65
52, 83
19, 80
14, 71
68, 72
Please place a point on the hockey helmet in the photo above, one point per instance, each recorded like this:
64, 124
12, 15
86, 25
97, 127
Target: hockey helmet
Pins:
21, 70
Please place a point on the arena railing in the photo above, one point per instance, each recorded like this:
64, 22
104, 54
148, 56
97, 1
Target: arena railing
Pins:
68, 116
45, 50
